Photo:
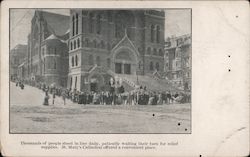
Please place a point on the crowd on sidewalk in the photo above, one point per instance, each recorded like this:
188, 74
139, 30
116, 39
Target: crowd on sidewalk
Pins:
112, 96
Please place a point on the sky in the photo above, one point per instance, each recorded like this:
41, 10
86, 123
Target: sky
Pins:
177, 22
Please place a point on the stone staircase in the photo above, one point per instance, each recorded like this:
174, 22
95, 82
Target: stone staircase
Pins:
152, 83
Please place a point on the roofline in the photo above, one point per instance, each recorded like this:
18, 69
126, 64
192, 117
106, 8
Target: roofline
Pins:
42, 11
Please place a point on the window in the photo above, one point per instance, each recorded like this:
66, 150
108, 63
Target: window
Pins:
151, 66
44, 65
102, 44
160, 52
158, 34
157, 66
98, 24
91, 23
76, 60
91, 60
72, 61
108, 62
71, 45
73, 23
149, 51
74, 44
155, 51
76, 23
70, 82
98, 61
152, 33
78, 42
75, 81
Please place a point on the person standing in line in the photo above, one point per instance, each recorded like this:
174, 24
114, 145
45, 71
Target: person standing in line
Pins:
54, 96
64, 97
46, 99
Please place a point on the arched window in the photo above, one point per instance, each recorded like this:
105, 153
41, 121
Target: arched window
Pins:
152, 33
98, 24
72, 61
98, 61
74, 44
91, 23
75, 81
78, 42
73, 23
149, 51
157, 66
76, 60
70, 82
76, 23
71, 45
155, 52
158, 34
102, 44
108, 62
160, 52
91, 60
54, 64
151, 66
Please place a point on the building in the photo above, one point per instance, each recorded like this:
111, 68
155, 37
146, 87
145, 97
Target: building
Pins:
177, 61
110, 43
17, 55
22, 70
47, 59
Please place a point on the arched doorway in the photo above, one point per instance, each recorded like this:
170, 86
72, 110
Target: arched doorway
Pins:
125, 61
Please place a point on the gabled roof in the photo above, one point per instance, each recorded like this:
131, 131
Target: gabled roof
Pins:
57, 23
125, 41
54, 37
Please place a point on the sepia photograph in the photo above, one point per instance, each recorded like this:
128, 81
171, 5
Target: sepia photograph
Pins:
100, 71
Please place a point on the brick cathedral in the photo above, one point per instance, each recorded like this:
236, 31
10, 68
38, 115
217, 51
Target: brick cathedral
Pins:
109, 43
85, 50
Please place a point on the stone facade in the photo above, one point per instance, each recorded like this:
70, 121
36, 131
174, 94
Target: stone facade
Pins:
177, 61
47, 48
17, 56
104, 43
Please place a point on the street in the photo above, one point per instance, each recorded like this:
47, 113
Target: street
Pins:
28, 115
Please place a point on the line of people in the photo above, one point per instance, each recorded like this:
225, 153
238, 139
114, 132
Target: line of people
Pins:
113, 96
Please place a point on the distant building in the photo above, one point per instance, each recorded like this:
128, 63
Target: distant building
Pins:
17, 56
108, 43
47, 48
22, 71
177, 61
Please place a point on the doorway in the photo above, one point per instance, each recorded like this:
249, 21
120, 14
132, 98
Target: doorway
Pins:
127, 69
118, 68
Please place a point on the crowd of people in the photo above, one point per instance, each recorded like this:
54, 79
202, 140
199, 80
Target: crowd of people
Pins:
112, 96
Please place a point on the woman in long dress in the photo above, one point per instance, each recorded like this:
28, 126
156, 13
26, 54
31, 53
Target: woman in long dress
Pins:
46, 99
